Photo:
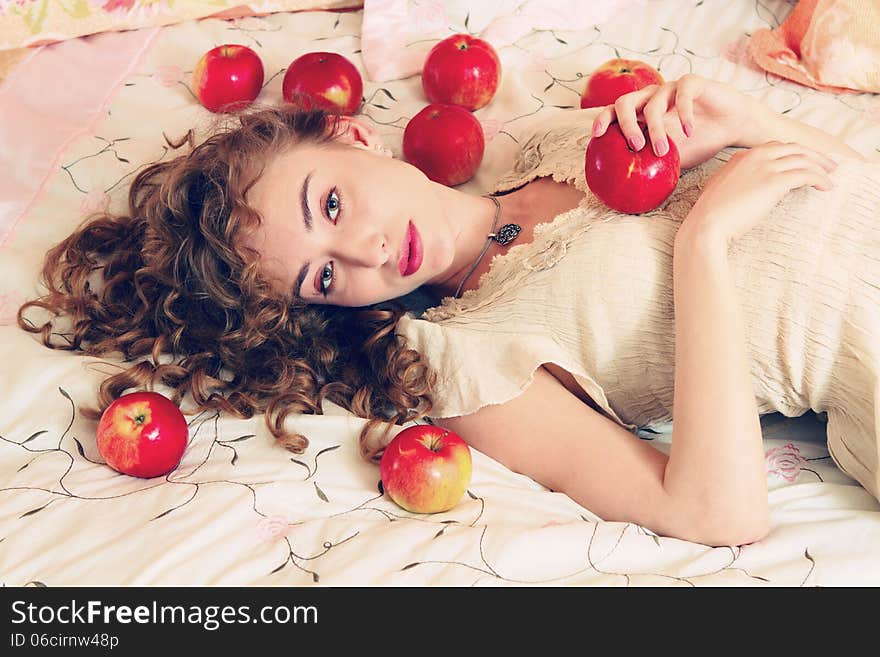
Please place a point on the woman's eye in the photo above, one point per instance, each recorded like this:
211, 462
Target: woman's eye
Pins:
333, 205
327, 278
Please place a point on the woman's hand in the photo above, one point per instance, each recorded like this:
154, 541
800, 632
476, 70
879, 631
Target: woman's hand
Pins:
744, 190
701, 116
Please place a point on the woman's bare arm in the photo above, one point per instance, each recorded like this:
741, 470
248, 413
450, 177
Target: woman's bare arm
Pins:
717, 447
713, 393
772, 126
551, 436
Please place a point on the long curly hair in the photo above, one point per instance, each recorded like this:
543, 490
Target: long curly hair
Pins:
171, 289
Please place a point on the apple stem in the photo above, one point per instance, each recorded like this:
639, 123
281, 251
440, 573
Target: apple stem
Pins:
438, 441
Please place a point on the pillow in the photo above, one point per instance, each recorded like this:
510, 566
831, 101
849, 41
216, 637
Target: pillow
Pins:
396, 35
37, 22
831, 45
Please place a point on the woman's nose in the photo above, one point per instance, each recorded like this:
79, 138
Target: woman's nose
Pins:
370, 251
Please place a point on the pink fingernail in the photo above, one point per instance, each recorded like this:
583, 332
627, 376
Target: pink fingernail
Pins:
661, 148
636, 143
597, 129
688, 128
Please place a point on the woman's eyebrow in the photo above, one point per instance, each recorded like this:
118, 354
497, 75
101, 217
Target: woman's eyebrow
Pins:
307, 221
304, 202
297, 286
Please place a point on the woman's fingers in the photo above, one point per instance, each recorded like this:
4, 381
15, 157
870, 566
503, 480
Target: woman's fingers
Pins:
794, 165
827, 163
780, 151
625, 110
689, 87
801, 160
651, 103
813, 176
814, 173
654, 110
603, 119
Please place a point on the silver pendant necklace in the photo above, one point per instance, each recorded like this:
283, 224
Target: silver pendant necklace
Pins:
505, 235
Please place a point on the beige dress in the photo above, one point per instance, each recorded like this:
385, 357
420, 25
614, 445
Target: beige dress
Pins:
593, 294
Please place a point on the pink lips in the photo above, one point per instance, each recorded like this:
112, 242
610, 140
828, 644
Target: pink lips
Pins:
411, 252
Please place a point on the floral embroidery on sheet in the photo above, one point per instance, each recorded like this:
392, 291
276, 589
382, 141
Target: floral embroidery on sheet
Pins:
785, 462
168, 75
491, 128
97, 200
9, 303
271, 529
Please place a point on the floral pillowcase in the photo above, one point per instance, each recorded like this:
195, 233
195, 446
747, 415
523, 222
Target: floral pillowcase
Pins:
35, 22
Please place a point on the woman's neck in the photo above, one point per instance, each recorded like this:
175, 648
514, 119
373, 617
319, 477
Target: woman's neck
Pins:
472, 234
536, 202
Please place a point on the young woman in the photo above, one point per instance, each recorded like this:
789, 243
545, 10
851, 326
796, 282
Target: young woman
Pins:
258, 272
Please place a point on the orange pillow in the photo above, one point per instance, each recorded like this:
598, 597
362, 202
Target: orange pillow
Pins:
832, 45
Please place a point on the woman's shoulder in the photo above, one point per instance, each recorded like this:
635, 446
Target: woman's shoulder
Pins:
475, 365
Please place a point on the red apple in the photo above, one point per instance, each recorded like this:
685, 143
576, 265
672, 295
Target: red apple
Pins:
324, 80
461, 70
445, 142
142, 434
228, 78
626, 180
426, 469
615, 78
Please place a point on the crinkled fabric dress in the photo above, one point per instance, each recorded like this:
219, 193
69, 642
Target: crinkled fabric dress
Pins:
593, 294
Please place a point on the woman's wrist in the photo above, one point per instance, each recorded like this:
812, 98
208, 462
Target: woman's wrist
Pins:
760, 125
699, 235
765, 125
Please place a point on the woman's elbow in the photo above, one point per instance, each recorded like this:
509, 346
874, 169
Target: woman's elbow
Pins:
731, 529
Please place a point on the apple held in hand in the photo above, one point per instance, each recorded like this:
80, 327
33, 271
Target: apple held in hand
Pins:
426, 469
626, 180
461, 70
228, 78
445, 142
142, 434
615, 78
324, 80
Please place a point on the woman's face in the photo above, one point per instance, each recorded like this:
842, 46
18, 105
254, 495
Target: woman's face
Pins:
344, 225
